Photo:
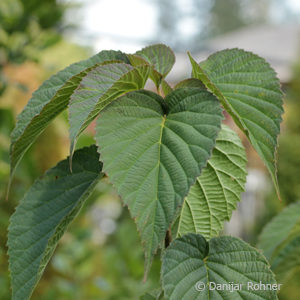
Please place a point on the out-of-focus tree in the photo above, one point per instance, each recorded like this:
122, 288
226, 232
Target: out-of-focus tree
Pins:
26, 28
206, 18
168, 17
226, 16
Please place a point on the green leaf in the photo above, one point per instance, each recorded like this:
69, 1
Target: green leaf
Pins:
137, 61
50, 99
43, 215
217, 190
100, 87
190, 82
281, 228
154, 295
160, 57
166, 88
287, 261
153, 149
191, 264
249, 90
280, 241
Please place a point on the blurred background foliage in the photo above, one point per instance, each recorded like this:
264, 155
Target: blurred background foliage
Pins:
100, 257
213, 18
288, 172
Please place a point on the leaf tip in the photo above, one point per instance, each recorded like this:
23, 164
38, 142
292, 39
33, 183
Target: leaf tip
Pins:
7, 190
277, 190
148, 263
72, 147
9, 183
146, 271
190, 56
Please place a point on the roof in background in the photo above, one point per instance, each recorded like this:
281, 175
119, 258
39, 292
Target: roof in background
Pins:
279, 45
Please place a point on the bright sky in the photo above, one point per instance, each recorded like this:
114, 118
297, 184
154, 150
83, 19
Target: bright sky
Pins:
127, 25
124, 25
295, 4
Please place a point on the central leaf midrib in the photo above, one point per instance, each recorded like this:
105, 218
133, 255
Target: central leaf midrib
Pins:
207, 274
162, 125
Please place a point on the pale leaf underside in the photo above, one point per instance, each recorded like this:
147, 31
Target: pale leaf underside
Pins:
217, 190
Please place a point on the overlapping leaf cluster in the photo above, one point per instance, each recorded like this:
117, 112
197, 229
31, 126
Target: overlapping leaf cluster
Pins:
176, 167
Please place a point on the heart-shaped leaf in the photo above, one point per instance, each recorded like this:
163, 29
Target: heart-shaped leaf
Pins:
159, 56
223, 268
249, 90
153, 149
98, 88
217, 190
43, 216
50, 99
